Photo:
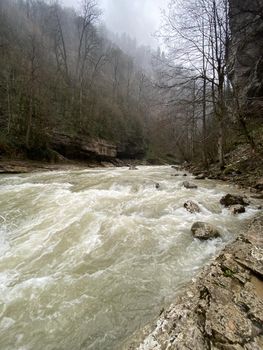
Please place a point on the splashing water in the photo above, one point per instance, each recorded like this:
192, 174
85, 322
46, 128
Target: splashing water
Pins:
88, 256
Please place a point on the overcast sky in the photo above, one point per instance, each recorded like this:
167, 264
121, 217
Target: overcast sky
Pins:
139, 18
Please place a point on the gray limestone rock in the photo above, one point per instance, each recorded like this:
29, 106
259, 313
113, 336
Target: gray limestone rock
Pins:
204, 231
237, 209
192, 207
189, 185
220, 310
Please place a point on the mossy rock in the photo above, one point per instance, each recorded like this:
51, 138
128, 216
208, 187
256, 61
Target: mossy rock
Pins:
231, 169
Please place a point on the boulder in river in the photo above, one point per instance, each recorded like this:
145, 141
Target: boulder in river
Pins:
189, 185
237, 209
204, 231
231, 199
192, 207
200, 177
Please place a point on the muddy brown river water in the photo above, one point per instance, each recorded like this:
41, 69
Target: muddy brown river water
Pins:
89, 256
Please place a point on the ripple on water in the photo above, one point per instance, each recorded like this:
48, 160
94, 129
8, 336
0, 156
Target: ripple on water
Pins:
87, 256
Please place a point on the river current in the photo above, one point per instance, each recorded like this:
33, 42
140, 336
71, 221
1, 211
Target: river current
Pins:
89, 256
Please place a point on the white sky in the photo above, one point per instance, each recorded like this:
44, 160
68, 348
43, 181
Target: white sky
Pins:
138, 18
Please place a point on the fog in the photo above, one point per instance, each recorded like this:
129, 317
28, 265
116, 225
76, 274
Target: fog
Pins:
138, 18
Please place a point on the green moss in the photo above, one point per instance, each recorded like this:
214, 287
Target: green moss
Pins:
227, 272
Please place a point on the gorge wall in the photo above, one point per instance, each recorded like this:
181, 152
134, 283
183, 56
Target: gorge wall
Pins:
246, 54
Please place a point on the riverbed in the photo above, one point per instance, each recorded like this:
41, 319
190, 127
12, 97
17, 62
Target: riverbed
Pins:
89, 256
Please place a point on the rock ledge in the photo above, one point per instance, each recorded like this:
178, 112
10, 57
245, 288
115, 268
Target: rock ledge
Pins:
222, 308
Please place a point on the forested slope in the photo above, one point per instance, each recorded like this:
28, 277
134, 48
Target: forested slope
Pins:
61, 75
69, 87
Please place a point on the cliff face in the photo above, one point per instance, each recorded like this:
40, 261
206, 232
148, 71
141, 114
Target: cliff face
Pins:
82, 148
246, 54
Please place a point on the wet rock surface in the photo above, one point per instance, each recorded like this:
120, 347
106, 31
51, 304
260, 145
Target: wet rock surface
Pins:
230, 199
204, 231
192, 207
222, 308
237, 209
189, 185
200, 177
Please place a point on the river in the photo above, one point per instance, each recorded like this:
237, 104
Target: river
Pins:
89, 256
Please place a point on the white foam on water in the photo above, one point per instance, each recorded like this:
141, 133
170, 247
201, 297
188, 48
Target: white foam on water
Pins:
87, 255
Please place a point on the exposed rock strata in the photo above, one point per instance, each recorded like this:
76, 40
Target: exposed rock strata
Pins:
222, 309
82, 148
246, 59
204, 231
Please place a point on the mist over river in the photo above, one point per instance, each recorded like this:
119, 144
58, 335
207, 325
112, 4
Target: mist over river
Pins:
89, 256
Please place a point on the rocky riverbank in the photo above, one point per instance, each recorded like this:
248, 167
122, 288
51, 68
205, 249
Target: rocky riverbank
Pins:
243, 168
222, 308
13, 166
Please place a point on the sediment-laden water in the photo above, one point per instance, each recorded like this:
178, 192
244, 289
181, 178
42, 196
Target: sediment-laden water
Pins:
88, 256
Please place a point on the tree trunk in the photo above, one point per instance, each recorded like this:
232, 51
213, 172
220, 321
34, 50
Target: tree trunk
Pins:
29, 121
204, 124
221, 143
9, 108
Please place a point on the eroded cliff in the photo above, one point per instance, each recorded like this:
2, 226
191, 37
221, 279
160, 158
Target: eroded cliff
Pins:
246, 55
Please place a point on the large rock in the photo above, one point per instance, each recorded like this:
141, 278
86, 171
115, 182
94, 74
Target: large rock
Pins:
82, 147
204, 231
192, 207
200, 177
237, 209
230, 199
189, 185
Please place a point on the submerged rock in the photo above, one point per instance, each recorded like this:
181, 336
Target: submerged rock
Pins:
189, 185
204, 231
231, 199
237, 209
192, 207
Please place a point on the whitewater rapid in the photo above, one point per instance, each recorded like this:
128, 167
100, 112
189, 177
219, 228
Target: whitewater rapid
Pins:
89, 256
